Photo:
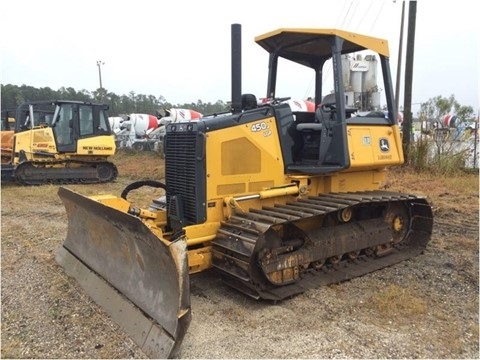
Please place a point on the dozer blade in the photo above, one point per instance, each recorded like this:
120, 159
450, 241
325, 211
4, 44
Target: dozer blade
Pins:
139, 280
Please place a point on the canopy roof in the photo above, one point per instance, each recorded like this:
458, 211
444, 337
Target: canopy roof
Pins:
307, 46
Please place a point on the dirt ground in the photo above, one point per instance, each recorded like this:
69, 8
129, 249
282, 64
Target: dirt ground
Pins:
426, 307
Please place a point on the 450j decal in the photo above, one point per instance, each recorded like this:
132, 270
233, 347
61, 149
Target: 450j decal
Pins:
261, 127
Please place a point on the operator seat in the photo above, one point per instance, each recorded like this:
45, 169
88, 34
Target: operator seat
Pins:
316, 135
249, 102
321, 115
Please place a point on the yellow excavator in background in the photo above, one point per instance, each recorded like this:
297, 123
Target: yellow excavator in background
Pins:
58, 142
276, 202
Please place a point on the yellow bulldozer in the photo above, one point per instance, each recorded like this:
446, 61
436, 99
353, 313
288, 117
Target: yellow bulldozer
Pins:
58, 142
275, 202
7, 125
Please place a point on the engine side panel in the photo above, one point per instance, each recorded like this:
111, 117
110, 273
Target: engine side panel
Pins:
374, 146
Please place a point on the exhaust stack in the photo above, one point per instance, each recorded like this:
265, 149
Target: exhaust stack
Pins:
236, 68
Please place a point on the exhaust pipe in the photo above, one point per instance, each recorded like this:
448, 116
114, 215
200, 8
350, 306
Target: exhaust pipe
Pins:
236, 68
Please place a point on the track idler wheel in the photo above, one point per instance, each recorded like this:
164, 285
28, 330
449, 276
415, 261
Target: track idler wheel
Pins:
106, 172
398, 219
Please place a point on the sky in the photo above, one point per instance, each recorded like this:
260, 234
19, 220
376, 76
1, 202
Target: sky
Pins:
180, 49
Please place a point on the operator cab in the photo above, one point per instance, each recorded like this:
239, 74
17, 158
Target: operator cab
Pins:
69, 120
345, 88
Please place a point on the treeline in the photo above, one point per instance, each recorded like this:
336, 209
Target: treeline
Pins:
13, 95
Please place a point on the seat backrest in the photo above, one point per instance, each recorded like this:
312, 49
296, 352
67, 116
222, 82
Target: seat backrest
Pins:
321, 115
324, 110
329, 100
249, 101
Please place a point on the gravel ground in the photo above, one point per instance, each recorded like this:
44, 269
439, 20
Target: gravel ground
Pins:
426, 307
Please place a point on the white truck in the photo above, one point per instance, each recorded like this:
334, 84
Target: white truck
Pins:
145, 132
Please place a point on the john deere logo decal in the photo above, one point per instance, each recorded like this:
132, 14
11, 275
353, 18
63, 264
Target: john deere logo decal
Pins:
384, 145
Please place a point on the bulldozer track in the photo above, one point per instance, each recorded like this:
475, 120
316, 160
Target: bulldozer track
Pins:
61, 172
334, 249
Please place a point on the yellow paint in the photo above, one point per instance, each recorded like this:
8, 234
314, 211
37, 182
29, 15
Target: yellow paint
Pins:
99, 146
373, 146
228, 172
41, 140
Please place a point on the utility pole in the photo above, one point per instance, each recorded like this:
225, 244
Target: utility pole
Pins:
99, 64
407, 116
399, 62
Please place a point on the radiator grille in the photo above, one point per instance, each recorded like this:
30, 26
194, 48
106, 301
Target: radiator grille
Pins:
185, 175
